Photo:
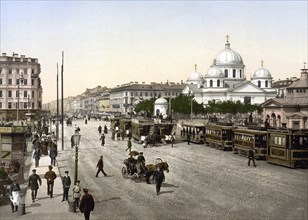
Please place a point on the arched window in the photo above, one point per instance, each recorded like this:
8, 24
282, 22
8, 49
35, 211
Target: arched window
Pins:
226, 73
266, 83
211, 83
234, 73
240, 73
259, 83
218, 83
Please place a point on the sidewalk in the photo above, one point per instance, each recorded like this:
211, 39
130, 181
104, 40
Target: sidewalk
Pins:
44, 207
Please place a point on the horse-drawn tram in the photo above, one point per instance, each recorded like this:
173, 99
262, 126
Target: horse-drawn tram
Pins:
125, 124
246, 139
163, 129
141, 128
288, 148
219, 136
195, 131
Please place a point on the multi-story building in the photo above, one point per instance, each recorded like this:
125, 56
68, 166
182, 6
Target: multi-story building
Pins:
281, 86
124, 98
20, 87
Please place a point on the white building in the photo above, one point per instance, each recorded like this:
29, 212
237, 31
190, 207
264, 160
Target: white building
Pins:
226, 80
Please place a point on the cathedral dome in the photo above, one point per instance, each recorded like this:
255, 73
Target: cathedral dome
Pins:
195, 76
214, 72
228, 56
161, 101
262, 73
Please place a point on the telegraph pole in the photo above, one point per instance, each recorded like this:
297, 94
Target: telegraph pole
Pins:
62, 111
57, 121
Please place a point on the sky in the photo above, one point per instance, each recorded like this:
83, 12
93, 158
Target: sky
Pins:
109, 43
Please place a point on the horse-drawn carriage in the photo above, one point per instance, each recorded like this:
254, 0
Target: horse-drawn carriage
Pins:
137, 171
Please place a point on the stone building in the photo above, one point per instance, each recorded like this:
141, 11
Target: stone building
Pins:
292, 110
20, 87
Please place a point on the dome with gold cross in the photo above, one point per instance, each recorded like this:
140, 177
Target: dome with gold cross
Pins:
262, 73
195, 76
228, 56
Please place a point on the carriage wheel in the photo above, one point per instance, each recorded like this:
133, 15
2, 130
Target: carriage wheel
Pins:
124, 172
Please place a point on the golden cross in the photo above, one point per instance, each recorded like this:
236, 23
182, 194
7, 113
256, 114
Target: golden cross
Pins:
195, 67
262, 63
227, 38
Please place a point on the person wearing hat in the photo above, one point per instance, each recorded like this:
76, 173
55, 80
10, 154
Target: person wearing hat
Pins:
141, 162
50, 176
76, 193
86, 204
100, 167
34, 181
66, 182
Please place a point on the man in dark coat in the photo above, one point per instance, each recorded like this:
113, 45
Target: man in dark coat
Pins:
86, 204
50, 176
34, 181
99, 129
159, 178
53, 154
251, 156
66, 182
100, 167
102, 139
37, 155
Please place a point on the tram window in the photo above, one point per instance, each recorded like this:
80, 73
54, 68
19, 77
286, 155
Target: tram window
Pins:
283, 141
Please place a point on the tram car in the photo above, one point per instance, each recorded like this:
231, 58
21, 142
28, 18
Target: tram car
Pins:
114, 123
163, 129
219, 136
141, 128
196, 132
125, 125
248, 138
288, 148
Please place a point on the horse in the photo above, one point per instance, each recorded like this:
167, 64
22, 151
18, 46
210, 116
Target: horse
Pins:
151, 168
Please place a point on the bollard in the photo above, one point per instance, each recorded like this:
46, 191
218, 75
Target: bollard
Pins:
22, 209
71, 205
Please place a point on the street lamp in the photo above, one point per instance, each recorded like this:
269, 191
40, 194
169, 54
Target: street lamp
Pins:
18, 93
76, 140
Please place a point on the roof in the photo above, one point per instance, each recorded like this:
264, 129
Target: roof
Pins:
288, 101
156, 87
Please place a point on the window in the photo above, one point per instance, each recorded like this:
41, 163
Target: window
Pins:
9, 94
218, 83
266, 83
259, 83
234, 73
10, 71
10, 81
131, 94
211, 83
140, 93
0, 105
25, 82
240, 73
146, 93
0, 93
32, 71
247, 100
17, 94
1, 81
226, 73
32, 95
25, 94
25, 105
32, 82
9, 105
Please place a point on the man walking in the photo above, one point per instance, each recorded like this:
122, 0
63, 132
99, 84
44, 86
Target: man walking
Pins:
37, 155
86, 204
53, 154
50, 176
102, 139
66, 182
129, 145
15, 196
100, 167
76, 193
251, 156
34, 181
159, 178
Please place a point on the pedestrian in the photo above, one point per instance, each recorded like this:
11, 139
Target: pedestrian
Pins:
188, 139
99, 129
53, 154
72, 141
172, 140
129, 145
50, 176
15, 196
105, 129
34, 181
102, 138
251, 156
86, 204
77, 193
159, 178
66, 182
37, 155
100, 167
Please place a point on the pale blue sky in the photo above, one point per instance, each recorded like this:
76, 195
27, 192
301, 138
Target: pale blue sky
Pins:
109, 43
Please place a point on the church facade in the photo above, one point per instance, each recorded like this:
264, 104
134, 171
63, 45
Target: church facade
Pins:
226, 80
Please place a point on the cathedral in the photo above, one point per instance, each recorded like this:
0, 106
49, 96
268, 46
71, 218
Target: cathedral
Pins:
226, 80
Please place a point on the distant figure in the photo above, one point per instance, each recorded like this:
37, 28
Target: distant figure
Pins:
99, 129
100, 167
159, 178
86, 204
34, 181
77, 193
129, 145
50, 176
105, 129
172, 140
72, 141
86, 121
266, 123
53, 154
102, 138
250, 118
188, 139
15, 196
37, 156
66, 182
251, 156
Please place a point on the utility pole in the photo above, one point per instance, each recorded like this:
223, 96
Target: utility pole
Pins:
62, 111
57, 121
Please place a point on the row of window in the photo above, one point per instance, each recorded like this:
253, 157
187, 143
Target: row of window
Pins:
10, 94
151, 94
22, 105
20, 71
233, 73
266, 83
18, 82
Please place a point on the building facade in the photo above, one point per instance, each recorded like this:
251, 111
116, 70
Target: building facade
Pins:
226, 80
20, 87
292, 110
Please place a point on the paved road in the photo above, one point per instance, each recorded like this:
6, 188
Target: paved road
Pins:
203, 183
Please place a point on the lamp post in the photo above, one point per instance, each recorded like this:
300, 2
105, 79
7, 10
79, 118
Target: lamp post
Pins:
18, 93
76, 140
